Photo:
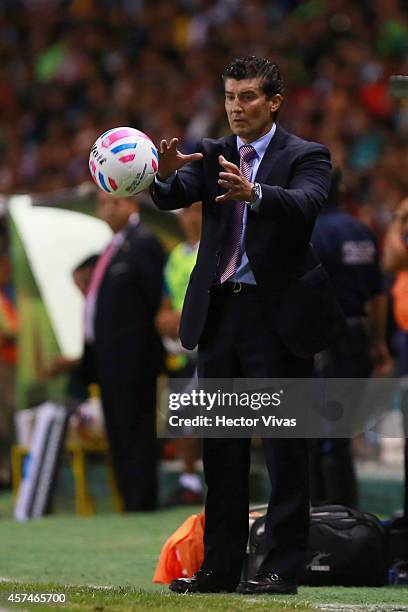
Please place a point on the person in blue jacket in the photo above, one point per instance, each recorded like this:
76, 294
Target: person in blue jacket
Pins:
348, 250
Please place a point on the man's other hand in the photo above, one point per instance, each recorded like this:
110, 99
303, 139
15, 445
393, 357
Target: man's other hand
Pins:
171, 159
238, 187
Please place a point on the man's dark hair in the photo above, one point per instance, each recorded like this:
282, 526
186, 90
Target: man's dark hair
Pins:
252, 67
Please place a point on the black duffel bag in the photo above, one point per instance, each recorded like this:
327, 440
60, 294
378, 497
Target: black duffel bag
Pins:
347, 547
398, 541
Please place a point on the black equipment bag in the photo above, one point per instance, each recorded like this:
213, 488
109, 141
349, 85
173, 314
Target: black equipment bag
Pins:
347, 547
398, 541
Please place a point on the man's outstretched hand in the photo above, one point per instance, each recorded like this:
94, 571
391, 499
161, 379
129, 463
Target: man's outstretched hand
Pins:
171, 159
237, 186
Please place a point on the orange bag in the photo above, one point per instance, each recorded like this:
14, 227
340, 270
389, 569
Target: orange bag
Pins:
183, 553
400, 295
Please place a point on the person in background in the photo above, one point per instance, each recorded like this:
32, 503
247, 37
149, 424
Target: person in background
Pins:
395, 261
181, 363
8, 356
81, 371
349, 252
120, 309
82, 273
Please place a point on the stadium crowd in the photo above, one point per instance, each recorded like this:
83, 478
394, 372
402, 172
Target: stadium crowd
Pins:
72, 68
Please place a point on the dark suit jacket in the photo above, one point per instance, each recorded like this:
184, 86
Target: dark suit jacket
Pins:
295, 176
126, 346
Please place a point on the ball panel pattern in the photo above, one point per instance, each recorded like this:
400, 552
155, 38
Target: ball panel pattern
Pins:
123, 161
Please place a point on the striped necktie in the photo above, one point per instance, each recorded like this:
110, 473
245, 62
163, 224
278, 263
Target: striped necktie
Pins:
231, 251
96, 281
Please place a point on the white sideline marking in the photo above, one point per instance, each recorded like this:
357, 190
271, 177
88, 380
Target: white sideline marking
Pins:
366, 607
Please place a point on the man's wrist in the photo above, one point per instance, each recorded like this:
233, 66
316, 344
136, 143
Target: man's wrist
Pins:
256, 197
168, 180
164, 179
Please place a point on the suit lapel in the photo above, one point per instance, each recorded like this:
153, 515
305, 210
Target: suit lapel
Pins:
125, 246
266, 170
267, 165
230, 149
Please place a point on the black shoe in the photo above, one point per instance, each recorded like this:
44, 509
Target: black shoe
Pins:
204, 581
267, 582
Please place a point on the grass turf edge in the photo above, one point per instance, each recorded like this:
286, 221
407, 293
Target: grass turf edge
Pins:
122, 599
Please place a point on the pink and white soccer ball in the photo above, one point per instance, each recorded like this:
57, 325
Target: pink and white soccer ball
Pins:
123, 161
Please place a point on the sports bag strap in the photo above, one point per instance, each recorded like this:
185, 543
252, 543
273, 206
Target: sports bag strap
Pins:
335, 508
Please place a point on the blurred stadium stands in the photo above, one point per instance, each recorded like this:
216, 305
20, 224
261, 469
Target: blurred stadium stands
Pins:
72, 68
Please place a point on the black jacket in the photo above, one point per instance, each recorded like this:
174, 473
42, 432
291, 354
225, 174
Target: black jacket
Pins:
295, 176
127, 347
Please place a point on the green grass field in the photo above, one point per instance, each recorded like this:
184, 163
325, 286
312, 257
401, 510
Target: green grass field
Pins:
106, 562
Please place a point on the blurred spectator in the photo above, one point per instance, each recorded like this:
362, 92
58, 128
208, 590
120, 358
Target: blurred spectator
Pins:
82, 273
181, 364
349, 252
8, 332
72, 69
82, 370
395, 260
120, 309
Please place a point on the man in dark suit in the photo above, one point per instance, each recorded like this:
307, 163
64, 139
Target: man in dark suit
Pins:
121, 306
256, 305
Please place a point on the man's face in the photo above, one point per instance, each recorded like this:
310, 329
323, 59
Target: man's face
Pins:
249, 112
115, 211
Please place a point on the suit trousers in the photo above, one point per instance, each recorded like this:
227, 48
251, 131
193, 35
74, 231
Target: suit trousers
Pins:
239, 341
130, 418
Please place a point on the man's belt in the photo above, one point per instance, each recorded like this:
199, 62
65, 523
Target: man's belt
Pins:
234, 288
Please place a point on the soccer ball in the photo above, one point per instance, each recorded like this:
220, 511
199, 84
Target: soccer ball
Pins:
123, 161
